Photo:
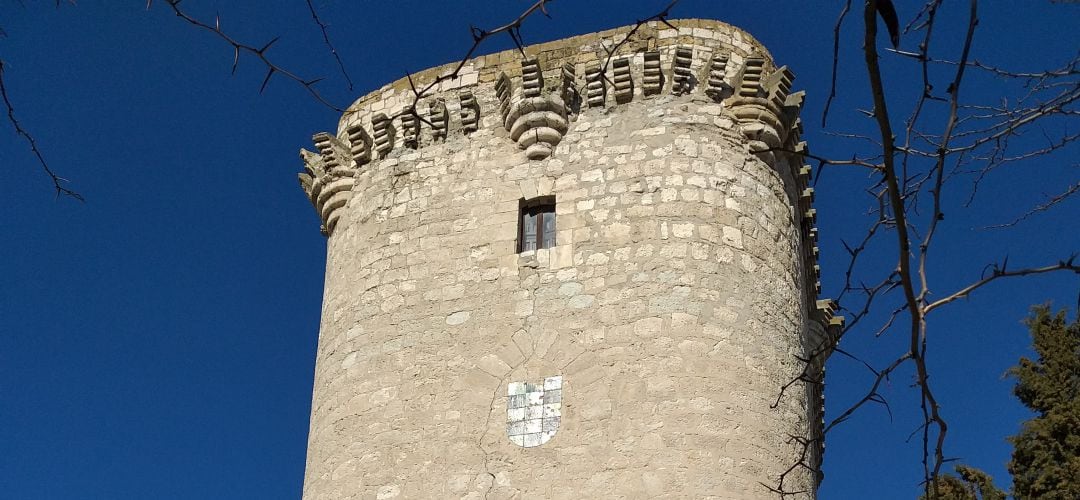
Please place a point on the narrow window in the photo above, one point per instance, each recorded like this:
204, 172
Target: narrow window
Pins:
537, 224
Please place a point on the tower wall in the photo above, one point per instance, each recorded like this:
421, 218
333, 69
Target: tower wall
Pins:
674, 306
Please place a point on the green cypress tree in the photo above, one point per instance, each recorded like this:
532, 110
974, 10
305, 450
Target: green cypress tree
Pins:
970, 484
1046, 453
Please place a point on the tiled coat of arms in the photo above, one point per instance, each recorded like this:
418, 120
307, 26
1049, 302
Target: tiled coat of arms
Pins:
533, 411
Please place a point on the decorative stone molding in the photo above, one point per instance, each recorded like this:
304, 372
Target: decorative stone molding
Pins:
359, 144
327, 178
624, 84
384, 133
537, 124
682, 78
718, 88
594, 86
502, 92
824, 333
653, 80
440, 120
410, 129
758, 95
470, 113
569, 90
532, 79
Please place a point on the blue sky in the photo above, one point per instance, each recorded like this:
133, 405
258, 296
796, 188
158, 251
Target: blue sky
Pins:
158, 341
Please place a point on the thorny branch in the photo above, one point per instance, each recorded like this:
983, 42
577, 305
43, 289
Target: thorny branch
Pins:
973, 140
835, 61
660, 16
326, 39
1040, 208
513, 29
972, 134
1001, 271
259, 53
56, 179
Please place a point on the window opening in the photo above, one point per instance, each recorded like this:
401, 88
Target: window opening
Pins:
537, 224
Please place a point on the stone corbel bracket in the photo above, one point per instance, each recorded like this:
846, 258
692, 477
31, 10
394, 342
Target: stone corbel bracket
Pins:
328, 177
760, 104
536, 120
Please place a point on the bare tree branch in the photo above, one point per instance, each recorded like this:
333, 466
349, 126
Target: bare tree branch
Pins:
56, 179
260, 53
1000, 271
479, 36
1040, 208
835, 61
326, 40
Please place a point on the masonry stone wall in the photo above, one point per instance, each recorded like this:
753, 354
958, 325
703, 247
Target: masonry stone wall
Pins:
678, 300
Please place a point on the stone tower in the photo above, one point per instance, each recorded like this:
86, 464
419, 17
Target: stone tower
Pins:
564, 274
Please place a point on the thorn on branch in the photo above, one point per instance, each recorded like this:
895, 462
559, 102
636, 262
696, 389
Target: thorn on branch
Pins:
260, 53
266, 81
268, 44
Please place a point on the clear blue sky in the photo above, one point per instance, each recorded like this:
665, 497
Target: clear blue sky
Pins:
158, 341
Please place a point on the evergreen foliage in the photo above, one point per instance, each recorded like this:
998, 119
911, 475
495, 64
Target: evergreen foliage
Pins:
972, 484
1046, 452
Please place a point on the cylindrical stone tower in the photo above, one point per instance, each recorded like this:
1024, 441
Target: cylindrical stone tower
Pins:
570, 275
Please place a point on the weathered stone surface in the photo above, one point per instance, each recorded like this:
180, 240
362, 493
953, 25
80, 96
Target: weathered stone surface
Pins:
675, 304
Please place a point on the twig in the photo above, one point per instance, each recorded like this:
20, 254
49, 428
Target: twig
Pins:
1000, 271
326, 40
835, 61
259, 52
1039, 208
56, 179
479, 36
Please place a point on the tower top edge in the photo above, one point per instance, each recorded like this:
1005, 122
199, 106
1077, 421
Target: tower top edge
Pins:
578, 48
